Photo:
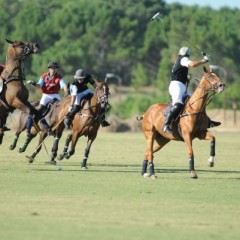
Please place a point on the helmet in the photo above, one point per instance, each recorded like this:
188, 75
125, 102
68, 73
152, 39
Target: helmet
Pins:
80, 74
184, 51
52, 65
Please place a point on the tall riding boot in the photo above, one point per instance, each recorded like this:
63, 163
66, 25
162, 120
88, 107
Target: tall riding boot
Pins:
175, 110
43, 121
104, 122
69, 117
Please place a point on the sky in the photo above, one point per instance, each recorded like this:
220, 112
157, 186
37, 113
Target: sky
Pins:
215, 4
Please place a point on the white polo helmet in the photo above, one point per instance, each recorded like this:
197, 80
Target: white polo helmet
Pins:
184, 51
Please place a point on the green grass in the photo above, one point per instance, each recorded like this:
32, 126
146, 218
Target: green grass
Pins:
113, 201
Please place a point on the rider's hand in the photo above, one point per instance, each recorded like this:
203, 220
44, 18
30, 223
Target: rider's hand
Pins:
70, 108
206, 58
31, 82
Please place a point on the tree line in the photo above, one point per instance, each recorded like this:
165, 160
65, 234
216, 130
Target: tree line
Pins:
118, 36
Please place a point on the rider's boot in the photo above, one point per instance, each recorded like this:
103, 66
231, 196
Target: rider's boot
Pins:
175, 110
69, 117
104, 122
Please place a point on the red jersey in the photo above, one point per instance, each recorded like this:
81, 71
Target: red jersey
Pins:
51, 84
1, 68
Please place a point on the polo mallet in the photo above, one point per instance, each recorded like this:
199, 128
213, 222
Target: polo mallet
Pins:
156, 17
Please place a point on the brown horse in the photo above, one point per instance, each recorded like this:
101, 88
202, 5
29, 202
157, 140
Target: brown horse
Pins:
86, 122
192, 123
14, 94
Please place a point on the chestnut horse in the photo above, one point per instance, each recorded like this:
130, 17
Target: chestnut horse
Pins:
13, 93
86, 122
192, 123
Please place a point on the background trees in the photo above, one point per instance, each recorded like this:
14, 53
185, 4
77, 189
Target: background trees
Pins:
118, 36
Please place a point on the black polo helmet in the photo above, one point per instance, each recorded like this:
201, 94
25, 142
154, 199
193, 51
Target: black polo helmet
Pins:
53, 65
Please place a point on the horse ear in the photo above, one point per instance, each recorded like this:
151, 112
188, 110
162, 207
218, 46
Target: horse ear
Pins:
106, 80
9, 41
205, 69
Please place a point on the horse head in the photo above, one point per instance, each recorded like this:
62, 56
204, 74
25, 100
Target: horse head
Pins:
212, 81
102, 91
16, 53
19, 49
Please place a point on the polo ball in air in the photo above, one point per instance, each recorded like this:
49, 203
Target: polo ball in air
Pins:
59, 168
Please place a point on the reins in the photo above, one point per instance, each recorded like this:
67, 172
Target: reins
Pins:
208, 99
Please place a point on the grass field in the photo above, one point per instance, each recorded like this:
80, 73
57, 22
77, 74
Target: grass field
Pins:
112, 201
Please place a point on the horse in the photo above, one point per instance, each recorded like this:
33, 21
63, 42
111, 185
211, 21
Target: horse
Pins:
13, 93
192, 123
86, 122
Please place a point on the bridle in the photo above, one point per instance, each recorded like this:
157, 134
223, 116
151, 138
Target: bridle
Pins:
27, 49
102, 95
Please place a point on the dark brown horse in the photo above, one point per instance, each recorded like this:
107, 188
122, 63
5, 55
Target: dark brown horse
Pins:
14, 94
86, 122
193, 123
21, 126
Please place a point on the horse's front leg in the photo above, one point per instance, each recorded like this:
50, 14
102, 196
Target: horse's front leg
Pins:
54, 150
188, 144
87, 151
28, 140
65, 149
212, 139
15, 140
74, 139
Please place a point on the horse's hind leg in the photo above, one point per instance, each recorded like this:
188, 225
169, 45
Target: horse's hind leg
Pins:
155, 142
212, 139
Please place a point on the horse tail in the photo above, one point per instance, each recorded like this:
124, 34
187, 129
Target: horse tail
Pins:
139, 118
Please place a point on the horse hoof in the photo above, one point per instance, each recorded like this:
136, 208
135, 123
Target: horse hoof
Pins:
67, 156
52, 162
146, 175
153, 177
30, 159
21, 150
11, 147
211, 164
84, 168
60, 157
193, 175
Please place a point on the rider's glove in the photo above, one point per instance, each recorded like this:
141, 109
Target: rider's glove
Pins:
31, 82
206, 58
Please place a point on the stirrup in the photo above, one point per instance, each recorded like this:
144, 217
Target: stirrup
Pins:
166, 129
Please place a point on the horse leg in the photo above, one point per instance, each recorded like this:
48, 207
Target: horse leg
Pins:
87, 151
149, 136
31, 158
55, 145
15, 140
188, 144
212, 139
75, 137
65, 150
28, 140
